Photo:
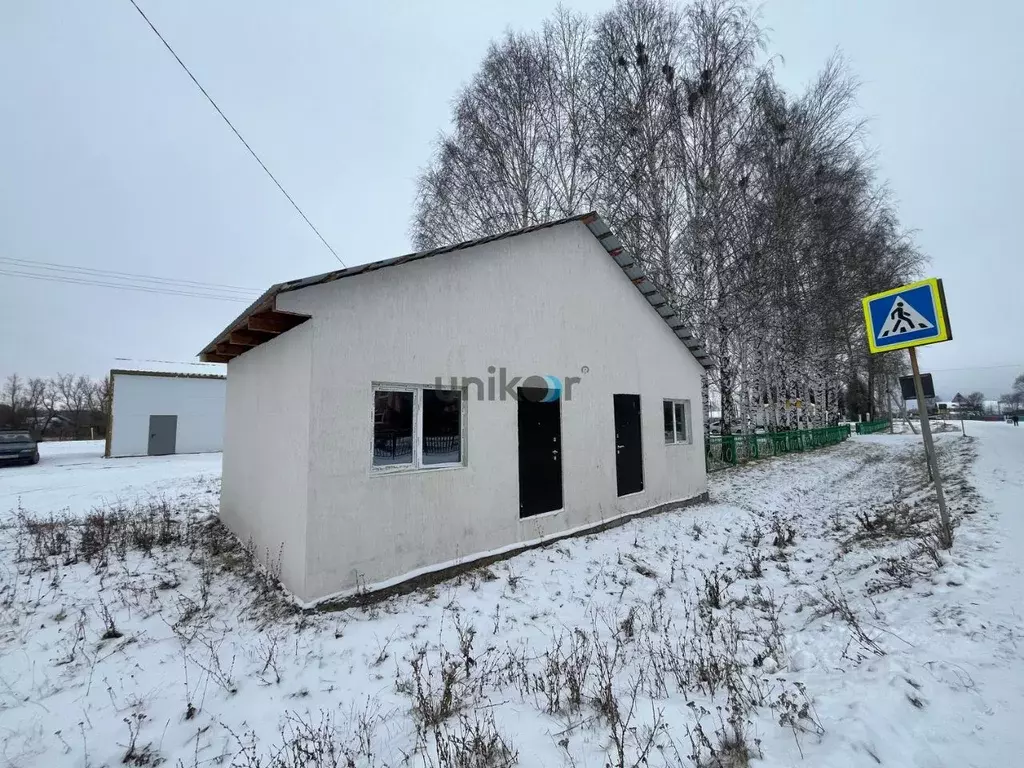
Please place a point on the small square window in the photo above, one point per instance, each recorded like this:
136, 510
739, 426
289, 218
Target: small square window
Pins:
392, 428
675, 421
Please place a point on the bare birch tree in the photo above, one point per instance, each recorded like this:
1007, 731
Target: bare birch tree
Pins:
757, 211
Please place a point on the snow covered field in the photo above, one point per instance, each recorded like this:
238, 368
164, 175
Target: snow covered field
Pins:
800, 618
73, 476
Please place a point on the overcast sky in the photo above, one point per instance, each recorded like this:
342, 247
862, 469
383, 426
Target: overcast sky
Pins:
111, 159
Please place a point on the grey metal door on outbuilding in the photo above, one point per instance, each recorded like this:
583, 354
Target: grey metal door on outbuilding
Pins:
163, 435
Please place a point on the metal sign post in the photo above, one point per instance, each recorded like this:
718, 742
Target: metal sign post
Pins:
906, 318
911, 388
888, 405
929, 450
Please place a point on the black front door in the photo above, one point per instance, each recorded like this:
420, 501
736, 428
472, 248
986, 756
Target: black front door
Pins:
540, 453
629, 456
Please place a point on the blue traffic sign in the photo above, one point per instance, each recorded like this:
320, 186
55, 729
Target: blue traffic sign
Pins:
909, 316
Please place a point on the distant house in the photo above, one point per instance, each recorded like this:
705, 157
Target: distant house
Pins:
46, 425
405, 416
156, 413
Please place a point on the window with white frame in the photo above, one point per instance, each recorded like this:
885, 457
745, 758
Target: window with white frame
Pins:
417, 427
675, 421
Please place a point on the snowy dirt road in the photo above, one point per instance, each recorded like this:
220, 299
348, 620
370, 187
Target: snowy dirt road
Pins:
801, 618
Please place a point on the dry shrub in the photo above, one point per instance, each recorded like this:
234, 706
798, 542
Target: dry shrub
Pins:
105, 537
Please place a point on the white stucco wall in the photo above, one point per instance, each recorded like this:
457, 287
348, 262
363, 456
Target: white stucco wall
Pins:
266, 452
550, 302
198, 404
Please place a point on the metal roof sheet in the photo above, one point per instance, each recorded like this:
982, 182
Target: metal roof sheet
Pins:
595, 224
165, 374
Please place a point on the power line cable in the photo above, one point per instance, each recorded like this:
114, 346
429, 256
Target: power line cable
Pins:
235, 130
128, 276
168, 291
142, 289
977, 368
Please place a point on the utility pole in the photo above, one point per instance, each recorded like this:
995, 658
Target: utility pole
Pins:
945, 530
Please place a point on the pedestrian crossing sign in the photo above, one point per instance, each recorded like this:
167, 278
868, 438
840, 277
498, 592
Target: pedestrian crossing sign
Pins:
909, 316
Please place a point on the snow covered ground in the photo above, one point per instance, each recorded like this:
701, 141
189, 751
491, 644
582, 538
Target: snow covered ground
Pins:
802, 617
74, 476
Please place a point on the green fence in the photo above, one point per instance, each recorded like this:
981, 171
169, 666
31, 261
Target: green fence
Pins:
730, 450
870, 427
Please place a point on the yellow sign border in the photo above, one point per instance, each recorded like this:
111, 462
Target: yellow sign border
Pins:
941, 317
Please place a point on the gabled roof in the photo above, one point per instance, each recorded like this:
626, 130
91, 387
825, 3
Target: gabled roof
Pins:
262, 321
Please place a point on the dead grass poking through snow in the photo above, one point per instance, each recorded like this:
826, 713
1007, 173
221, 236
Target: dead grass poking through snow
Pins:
159, 529
671, 646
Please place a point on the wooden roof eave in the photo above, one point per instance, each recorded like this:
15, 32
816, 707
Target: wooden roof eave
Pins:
258, 324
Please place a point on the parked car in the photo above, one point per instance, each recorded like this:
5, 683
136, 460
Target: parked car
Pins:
18, 445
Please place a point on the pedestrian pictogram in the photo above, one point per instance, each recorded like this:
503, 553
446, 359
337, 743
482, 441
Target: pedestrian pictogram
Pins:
908, 316
903, 319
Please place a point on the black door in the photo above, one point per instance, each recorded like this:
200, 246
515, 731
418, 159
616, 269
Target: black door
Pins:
540, 452
629, 455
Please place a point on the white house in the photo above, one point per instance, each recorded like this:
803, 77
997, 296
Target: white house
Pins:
155, 413
410, 415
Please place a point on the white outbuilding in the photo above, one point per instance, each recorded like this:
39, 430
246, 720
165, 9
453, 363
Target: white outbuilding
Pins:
156, 413
415, 415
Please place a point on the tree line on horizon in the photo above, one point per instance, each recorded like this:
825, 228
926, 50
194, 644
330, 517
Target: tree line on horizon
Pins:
758, 211
1015, 397
66, 406
977, 404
